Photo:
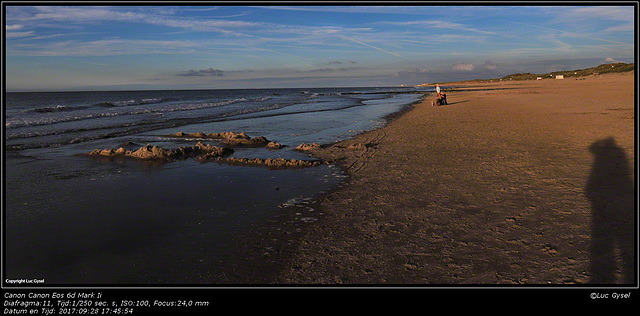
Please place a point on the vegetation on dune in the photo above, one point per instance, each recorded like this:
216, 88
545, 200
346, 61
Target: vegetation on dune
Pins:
598, 70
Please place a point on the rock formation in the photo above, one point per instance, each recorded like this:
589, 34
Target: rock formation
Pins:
274, 145
205, 152
305, 147
233, 139
271, 163
149, 152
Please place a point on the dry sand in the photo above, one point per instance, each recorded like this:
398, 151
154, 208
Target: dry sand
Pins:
526, 183
498, 187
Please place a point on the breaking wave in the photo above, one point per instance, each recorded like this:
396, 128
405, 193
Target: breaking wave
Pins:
16, 122
132, 102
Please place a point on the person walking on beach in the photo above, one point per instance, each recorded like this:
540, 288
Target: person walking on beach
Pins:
438, 88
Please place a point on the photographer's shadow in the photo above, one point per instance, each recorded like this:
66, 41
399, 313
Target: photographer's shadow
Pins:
610, 189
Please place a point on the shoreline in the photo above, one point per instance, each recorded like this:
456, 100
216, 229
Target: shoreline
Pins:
267, 247
487, 208
210, 195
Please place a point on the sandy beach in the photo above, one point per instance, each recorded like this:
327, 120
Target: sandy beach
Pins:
527, 182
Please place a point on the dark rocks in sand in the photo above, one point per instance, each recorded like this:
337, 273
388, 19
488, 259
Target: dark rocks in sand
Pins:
203, 153
233, 139
272, 163
227, 136
274, 145
149, 152
306, 147
256, 141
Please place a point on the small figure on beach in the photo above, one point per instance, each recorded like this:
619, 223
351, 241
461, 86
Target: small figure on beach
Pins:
441, 97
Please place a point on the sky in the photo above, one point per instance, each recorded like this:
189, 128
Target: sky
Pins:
130, 47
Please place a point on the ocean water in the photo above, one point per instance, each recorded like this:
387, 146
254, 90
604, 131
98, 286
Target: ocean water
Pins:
71, 219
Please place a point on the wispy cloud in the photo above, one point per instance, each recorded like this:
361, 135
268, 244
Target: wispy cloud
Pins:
564, 33
202, 73
338, 62
18, 34
463, 67
490, 65
613, 13
109, 47
10, 31
97, 14
13, 27
58, 13
275, 52
371, 46
441, 25
329, 69
626, 27
253, 33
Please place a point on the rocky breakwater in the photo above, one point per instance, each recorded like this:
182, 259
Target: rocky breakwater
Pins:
232, 139
156, 153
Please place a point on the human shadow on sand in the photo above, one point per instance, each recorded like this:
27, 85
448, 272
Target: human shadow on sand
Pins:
452, 103
610, 189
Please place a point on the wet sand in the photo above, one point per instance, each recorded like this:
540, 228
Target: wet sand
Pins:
511, 183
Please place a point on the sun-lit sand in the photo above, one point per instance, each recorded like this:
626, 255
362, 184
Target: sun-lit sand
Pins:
505, 185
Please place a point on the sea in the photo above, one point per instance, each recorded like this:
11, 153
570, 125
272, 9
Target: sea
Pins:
71, 219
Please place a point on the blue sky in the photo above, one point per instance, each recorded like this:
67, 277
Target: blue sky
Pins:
210, 47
